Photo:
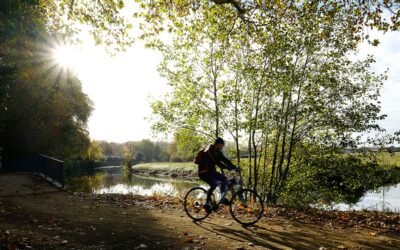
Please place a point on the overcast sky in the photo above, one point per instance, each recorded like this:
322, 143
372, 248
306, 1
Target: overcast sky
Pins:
120, 86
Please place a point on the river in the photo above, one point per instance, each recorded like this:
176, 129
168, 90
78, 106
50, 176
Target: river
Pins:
112, 181
384, 199
115, 182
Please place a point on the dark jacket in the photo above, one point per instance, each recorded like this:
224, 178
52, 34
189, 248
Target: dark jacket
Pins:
213, 157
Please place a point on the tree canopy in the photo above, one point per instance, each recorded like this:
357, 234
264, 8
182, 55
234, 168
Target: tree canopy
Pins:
43, 108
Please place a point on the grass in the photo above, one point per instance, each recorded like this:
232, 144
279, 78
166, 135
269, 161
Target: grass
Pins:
387, 159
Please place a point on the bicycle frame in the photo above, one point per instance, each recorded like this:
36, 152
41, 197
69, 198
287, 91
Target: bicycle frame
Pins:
231, 183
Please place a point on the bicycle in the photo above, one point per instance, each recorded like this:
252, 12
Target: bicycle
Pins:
245, 205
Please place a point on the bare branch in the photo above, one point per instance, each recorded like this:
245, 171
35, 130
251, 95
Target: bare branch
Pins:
235, 3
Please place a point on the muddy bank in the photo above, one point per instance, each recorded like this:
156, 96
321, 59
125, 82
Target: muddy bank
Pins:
185, 171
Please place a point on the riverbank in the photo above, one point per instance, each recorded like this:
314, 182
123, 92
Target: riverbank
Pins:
180, 170
34, 214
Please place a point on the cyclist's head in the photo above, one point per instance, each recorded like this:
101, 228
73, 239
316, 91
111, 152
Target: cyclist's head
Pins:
219, 143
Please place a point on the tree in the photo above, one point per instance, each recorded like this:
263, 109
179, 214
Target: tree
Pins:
95, 152
284, 75
194, 72
185, 145
43, 108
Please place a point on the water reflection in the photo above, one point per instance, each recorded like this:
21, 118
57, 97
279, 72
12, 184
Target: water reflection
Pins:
115, 182
385, 199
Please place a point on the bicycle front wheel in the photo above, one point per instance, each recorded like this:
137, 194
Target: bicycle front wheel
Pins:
194, 203
246, 207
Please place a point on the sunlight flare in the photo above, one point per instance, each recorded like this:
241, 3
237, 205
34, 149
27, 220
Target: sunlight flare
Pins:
66, 56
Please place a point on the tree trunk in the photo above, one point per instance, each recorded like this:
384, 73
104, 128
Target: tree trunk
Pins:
250, 157
264, 175
271, 192
237, 123
292, 134
283, 145
216, 108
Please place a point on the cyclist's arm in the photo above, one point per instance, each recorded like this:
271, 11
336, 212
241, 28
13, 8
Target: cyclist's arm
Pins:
224, 162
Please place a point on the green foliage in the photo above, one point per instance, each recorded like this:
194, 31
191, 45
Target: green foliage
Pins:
177, 17
86, 164
103, 19
329, 177
95, 152
185, 145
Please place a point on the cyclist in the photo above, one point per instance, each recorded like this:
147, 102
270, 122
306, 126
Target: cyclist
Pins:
211, 157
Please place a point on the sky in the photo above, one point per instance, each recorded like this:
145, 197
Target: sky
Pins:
121, 86
387, 56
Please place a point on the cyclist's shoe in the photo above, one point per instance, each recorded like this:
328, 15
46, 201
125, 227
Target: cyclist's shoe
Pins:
224, 201
215, 208
207, 207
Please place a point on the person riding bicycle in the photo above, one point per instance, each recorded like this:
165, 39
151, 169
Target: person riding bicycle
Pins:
212, 156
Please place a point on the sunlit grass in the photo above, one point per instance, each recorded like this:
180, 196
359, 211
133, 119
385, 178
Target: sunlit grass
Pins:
163, 165
389, 160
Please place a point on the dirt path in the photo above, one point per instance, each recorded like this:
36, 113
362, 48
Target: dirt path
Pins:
33, 214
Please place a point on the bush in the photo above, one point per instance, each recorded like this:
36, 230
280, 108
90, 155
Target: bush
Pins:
79, 167
334, 178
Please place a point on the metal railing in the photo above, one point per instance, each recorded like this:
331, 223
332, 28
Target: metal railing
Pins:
49, 168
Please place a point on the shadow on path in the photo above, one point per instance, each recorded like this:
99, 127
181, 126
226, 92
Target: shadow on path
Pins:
292, 237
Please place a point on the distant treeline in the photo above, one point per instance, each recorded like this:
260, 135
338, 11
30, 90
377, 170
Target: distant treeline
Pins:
391, 149
180, 149
161, 151
143, 151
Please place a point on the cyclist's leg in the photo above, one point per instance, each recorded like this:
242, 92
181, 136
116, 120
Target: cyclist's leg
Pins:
211, 181
221, 181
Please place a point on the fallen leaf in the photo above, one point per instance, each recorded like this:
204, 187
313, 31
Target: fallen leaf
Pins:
141, 246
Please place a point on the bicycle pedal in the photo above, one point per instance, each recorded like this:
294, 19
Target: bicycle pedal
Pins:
208, 208
225, 202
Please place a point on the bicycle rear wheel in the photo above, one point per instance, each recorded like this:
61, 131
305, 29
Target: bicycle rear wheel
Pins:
194, 203
246, 207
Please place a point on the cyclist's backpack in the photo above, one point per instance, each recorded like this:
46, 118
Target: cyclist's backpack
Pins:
200, 156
